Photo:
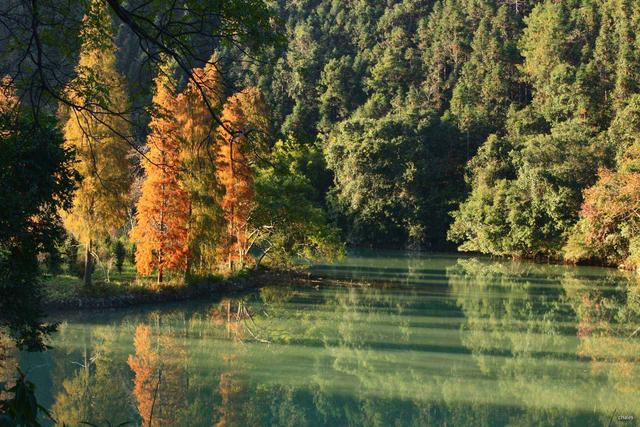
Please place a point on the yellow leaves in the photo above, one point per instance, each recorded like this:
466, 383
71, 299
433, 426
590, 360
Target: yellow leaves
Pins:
8, 98
99, 140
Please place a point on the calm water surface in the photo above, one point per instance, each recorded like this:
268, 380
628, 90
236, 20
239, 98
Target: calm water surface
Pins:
415, 340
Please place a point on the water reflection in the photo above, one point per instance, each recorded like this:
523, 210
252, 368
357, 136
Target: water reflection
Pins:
414, 341
95, 386
608, 328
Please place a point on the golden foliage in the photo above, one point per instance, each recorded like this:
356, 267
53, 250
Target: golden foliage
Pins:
198, 137
99, 139
161, 233
245, 114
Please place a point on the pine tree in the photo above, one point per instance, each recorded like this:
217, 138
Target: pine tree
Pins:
99, 140
488, 81
557, 67
245, 116
445, 38
160, 233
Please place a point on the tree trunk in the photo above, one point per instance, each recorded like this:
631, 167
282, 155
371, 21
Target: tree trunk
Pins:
88, 264
159, 266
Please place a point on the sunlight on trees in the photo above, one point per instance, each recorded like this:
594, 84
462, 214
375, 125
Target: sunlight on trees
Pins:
161, 231
245, 113
99, 141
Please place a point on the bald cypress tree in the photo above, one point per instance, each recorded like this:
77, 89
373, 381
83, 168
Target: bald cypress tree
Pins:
245, 115
199, 136
161, 230
98, 139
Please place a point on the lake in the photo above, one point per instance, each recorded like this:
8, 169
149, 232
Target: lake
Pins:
403, 339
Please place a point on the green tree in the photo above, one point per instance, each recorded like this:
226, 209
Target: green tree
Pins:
388, 177
71, 254
526, 191
120, 253
489, 81
554, 64
285, 222
609, 227
37, 180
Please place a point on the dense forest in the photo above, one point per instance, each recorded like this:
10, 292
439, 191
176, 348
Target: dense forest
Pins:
500, 127
505, 127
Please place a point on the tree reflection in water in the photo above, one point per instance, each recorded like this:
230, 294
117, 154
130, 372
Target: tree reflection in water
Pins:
461, 342
534, 336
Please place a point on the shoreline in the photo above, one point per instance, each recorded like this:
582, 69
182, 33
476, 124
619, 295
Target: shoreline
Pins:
251, 280
224, 287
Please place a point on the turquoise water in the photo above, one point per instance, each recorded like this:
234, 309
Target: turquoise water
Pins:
402, 340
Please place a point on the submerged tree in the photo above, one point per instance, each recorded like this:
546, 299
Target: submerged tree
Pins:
160, 233
99, 141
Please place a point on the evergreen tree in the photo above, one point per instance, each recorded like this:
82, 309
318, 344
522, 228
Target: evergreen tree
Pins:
489, 81
557, 45
119, 252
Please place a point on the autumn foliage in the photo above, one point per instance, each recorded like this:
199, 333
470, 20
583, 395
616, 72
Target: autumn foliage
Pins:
8, 99
159, 376
609, 224
161, 233
198, 134
240, 146
98, 139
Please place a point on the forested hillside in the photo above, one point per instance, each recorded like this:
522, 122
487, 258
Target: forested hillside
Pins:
476, 124
483, 122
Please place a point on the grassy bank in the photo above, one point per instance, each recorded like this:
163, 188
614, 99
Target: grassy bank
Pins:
122, 289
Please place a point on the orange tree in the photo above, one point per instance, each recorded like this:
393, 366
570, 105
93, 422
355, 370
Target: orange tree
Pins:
162, 215
245, 114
